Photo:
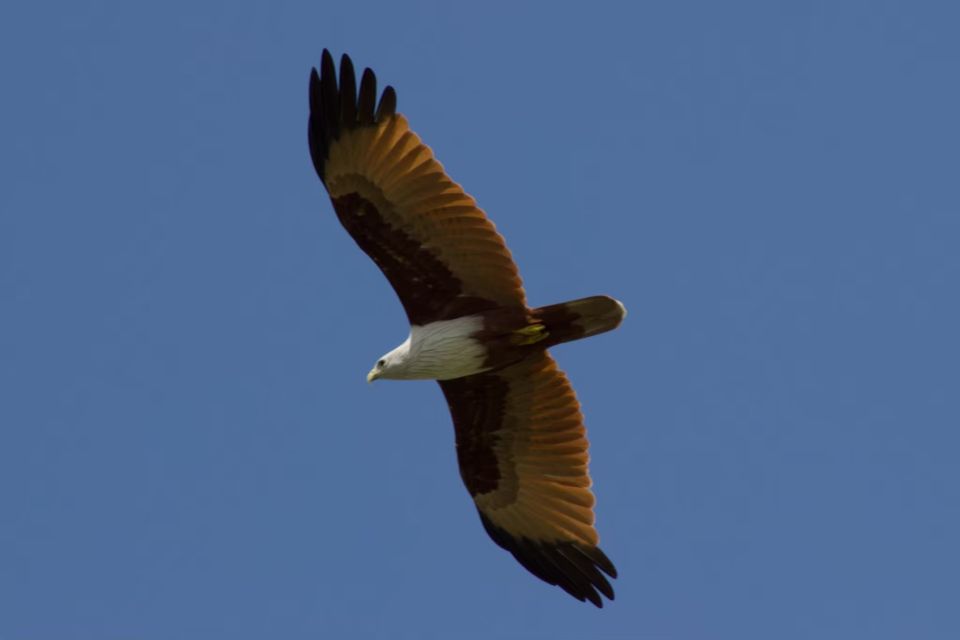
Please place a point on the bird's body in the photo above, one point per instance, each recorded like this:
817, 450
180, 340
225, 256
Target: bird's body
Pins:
521, 443
475, 343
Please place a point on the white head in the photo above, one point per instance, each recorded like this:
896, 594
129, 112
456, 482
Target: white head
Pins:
391, 365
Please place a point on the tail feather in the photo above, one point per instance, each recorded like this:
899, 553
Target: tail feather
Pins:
578, 319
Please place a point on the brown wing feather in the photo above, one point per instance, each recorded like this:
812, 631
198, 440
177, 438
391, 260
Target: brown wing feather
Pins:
441, 254
522, 449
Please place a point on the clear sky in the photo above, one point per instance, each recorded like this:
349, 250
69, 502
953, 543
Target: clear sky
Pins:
188, 448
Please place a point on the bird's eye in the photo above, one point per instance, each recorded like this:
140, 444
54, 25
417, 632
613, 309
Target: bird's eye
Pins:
380, 363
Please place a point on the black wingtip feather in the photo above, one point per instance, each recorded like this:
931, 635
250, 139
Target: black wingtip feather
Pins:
336, 107
388, 103
368, 97
329, 104
569, 565
348, 90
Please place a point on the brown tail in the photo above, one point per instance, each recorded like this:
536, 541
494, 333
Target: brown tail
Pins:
579, 318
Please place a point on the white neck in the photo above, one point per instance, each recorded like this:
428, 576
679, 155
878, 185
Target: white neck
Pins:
438, 351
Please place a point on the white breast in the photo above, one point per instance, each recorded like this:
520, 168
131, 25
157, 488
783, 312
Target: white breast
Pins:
444, 350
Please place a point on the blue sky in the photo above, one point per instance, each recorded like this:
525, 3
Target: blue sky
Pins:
188, 448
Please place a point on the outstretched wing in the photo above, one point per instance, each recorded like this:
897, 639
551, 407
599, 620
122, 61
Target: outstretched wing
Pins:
522, 450
439, 251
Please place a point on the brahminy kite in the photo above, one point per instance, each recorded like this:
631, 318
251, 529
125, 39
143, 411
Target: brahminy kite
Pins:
520, 440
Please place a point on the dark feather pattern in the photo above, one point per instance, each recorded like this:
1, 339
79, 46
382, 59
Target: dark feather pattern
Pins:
568, 565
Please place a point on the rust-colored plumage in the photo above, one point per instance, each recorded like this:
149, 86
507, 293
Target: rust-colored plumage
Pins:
439, 251
522, 451
521, 443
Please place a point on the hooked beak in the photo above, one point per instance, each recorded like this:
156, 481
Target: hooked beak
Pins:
373, 375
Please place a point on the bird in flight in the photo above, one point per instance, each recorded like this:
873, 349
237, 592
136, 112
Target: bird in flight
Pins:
520, 440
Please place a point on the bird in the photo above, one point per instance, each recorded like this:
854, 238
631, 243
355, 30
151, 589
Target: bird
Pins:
521, 443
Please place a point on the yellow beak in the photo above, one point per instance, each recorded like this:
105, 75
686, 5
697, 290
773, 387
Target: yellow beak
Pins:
373, 375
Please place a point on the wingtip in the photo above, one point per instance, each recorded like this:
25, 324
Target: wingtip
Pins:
336, 106
554, 564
